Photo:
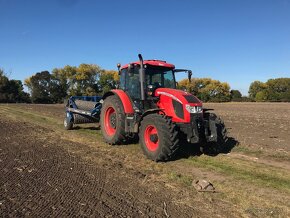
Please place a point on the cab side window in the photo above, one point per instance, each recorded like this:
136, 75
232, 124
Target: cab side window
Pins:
123, 79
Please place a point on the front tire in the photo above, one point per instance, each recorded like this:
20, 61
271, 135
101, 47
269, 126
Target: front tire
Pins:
113, 120
158, 137
214, 148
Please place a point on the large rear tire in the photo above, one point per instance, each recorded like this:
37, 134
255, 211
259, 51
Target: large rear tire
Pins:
158, 137
113, 120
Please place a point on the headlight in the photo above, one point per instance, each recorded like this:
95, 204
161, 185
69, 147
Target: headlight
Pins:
193, 109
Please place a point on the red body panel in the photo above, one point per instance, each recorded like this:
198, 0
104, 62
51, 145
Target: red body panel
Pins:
152, 63
165, 102
166, 95
128, 108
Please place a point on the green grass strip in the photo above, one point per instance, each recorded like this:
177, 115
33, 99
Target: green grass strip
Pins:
259, 174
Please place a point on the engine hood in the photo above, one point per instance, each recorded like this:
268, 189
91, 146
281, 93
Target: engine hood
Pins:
174, 102
178, 95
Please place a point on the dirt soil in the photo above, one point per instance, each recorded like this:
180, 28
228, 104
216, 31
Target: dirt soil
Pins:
47, 171
264, 126
40, 178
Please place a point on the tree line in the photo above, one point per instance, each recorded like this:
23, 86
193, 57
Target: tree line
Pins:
85, 79
275, 90
209, 90
91, 79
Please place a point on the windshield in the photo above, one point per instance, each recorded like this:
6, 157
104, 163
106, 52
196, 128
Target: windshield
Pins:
160, 77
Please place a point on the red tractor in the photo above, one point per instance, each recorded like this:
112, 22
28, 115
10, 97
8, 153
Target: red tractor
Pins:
147, 103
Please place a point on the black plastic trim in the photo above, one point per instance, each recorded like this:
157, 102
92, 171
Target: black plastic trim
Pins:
178, 109
191, 99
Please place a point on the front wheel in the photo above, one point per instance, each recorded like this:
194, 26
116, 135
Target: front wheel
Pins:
220, 146
158, 137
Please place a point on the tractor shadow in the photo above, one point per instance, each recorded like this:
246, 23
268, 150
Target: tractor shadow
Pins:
188, 150
86, 127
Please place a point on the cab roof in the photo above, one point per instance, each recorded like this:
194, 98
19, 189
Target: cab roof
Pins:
158, 63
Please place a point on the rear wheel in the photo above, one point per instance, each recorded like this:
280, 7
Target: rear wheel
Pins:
158, 137
113, 120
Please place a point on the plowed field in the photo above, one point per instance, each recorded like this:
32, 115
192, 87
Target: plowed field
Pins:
47, 171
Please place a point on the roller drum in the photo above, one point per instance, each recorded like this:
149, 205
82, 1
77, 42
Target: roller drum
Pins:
80, 119
85, 105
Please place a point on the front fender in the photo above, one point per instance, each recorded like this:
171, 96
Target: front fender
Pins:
151, 111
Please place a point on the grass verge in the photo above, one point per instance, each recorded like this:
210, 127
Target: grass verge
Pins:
258, 174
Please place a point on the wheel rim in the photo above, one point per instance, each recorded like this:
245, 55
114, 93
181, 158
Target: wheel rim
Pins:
151, 138
110, 121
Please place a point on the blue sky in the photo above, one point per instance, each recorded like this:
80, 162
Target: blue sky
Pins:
237, 41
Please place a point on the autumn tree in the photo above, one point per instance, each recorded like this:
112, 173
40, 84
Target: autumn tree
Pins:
81, 80
85, 80
278, 89
109, 79
273, 90
207, 89
257, 87
236, 95
63, 79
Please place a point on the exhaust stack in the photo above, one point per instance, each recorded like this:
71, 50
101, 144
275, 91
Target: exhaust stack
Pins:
142, 77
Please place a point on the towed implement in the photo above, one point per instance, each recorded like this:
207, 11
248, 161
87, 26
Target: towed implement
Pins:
82, 109
148, 104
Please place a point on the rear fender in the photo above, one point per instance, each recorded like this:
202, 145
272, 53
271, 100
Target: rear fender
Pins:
125, 99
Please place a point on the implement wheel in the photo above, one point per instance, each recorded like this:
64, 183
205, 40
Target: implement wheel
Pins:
158, 137
113, 120
68, 124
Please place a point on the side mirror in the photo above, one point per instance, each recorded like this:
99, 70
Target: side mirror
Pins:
189, 75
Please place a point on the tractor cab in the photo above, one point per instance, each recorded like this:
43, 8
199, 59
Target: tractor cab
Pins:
157, 74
